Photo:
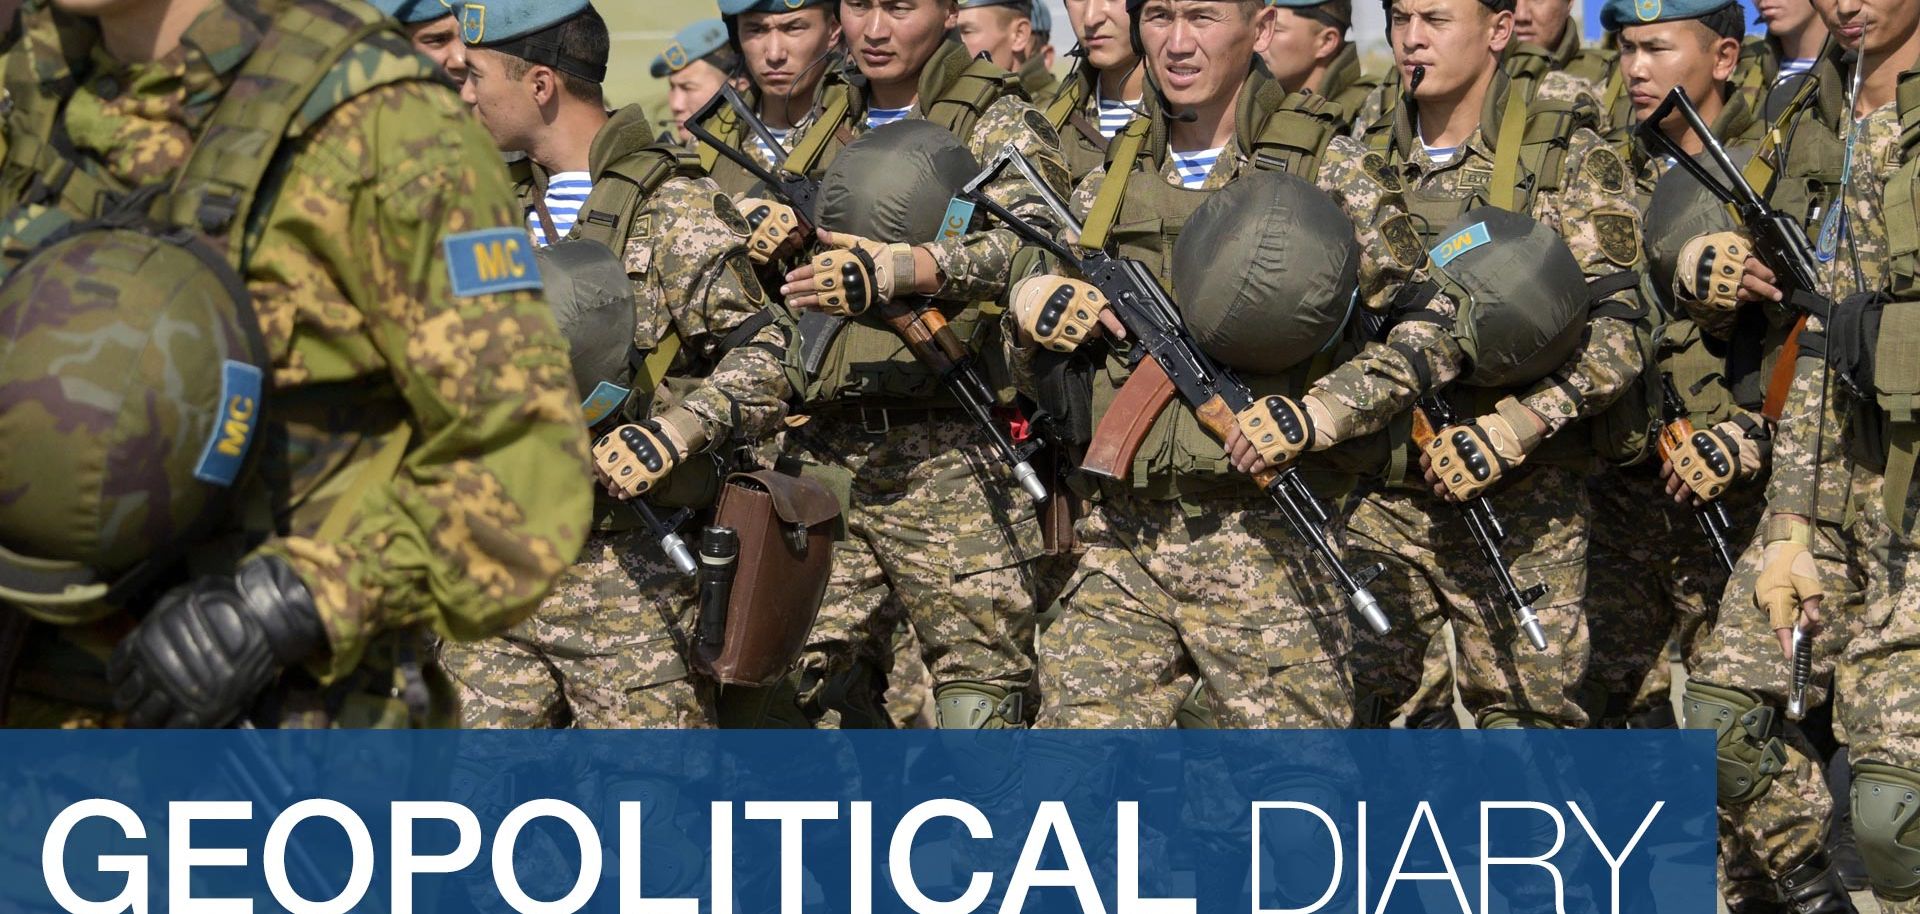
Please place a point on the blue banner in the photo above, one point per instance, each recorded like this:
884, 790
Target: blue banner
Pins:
663, 822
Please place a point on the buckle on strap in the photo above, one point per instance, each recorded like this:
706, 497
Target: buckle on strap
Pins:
868, 415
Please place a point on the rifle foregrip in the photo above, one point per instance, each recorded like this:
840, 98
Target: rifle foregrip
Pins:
1127, 420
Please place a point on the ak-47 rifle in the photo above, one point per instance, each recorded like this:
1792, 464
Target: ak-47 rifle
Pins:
924, 328
1431, 418
1166, 361
1677, 430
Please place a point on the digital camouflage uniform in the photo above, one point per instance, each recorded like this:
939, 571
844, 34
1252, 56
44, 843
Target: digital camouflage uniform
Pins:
1433, 573
1867, 650
934, 519
606, 650
1190, 573
350, 279
1582, 70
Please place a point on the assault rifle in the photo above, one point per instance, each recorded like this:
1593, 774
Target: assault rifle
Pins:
924, 328
1167, 362
1433, 417
1712, 515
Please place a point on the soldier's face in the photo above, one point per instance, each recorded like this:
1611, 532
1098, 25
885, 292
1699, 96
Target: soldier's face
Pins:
1299, 44
440, 41
1786, 17
1655, 58
1101, 26
1199, 50
690, 88
1541, 22
892, 40
505, 104
783, 50
1456, 42
1006, 37
1876, 26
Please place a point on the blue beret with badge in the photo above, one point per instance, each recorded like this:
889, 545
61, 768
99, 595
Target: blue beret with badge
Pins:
736, 7
1619, 14
694, 42
527, 29
414, 12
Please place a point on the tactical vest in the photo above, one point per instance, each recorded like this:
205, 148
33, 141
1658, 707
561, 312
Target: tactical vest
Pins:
1082, 144
1886, 431
1521, 171
1139, 215
1347, 85
1596, 67
861, 358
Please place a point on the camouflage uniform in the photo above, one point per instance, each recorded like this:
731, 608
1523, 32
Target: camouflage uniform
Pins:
607, 649
1867, 650
1433, 573
350, 280
1581, 69
1347, 85
934, 518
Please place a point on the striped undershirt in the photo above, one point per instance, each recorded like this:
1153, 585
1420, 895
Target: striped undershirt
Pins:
1193, 167
1112, 116
881, 117
780, 135
1793, 67
566, 191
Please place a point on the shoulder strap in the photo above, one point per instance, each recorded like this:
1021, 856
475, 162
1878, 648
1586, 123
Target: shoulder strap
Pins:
1506, 152
1294, 136
1113, 190
607, 214
978, 87
1073, 94
811, 145
316, 56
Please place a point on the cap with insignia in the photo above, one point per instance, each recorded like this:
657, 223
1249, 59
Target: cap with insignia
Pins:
527, 29
414, 12
694, 42
736, 7
1619, 14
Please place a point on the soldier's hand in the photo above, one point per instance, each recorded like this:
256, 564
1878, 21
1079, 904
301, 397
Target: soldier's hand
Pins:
853, 275
632, 459
1061, 314
210, 647
774, 229
1707, 280
1275, 431
1788, 589
1757, 283
1463, 462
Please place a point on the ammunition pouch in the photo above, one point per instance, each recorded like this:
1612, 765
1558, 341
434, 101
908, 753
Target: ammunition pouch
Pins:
785, 525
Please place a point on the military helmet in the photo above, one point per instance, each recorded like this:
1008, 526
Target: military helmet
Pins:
133, 378
1265, 272
1523, 300
1681, 210
895, 183
592, 301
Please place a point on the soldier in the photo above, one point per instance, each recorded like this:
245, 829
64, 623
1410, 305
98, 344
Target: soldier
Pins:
609, 648
700, 60
418, 465
1103, 91
788, 47
1795, 34
935, 519
1310, 51
1549, 39
1466, 137
1834, 552
434, 31
1190, 573
1016, 36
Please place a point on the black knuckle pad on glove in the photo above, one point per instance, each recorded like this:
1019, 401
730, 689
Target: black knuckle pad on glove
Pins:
1292, 425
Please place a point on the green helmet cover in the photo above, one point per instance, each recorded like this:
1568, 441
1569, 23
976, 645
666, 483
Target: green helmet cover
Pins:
893, 184
1523, 298
1265, 272
1680, 210
592, 301
133, 379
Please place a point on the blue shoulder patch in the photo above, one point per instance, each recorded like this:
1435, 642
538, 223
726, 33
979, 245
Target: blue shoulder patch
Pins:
959, 219
605, 398
226, 450
490, 261
1459, 243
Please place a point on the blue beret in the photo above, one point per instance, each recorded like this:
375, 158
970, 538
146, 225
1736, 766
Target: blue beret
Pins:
1618, 14
694, 42
1036, 10
497, 22
736, 7
414, 12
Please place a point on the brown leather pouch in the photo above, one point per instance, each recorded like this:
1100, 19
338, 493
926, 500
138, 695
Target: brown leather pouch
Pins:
1056, 519
785, 524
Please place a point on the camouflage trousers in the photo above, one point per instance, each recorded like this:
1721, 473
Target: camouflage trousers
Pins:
1663, 584
1434, 572
937, 535
596, 654
1218, 589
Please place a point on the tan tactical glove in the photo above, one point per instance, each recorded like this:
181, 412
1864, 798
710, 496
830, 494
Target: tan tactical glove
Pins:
1788, 574
1711, 459
775, 229
1469, 459
1706, 278
1280, 429
856, 274
632, 459
1057, 312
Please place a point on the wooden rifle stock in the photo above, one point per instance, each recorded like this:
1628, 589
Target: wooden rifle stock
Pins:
1125, 425
1782, 379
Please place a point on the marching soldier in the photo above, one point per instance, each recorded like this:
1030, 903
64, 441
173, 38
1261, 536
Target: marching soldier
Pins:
610, 648
434, 31
1016, 36
1310, 51
1795, 35
788, 47
700, 60
1103, 91
400, 453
